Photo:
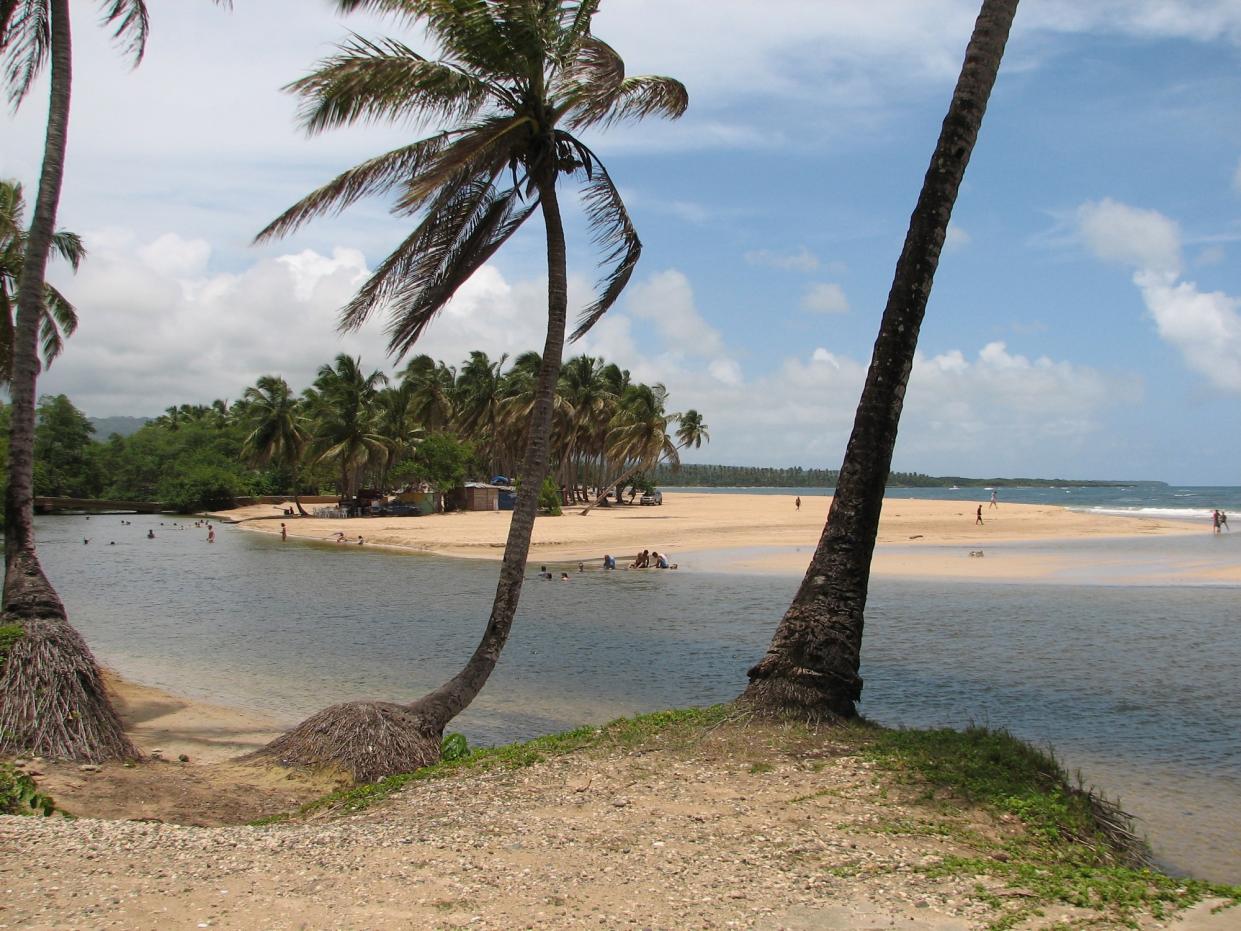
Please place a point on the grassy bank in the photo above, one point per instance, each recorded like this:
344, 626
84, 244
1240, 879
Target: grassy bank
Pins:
1029, 838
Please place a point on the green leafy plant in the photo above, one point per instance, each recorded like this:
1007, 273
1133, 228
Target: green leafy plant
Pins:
19, 795
454, 748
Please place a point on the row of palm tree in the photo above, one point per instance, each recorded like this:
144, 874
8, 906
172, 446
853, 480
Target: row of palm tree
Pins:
605, 428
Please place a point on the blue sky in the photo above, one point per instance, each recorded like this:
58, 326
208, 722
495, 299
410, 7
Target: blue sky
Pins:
1085, 320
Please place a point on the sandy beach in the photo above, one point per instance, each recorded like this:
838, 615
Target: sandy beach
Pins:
765, 533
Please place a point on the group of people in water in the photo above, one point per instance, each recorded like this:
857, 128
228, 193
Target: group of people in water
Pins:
647, 559
151, 530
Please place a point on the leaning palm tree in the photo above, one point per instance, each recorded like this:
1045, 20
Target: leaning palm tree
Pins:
60, 318
431, 389
516, 81
53, 701
811, 666
278, 434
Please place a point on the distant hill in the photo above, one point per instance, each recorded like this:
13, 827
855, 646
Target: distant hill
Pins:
125, 426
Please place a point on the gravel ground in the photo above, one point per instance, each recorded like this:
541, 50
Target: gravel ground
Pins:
678, 837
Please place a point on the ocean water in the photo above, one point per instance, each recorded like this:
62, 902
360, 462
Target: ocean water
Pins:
1184, 502
1134, 685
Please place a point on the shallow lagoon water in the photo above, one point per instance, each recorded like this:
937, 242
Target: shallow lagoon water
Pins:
1137, 686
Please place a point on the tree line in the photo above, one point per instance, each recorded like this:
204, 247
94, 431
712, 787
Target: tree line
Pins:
354, 429
728, 476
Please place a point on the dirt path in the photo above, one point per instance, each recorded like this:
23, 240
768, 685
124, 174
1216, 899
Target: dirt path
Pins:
725, 830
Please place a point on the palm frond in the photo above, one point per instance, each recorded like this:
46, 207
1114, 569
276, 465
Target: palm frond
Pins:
613, 231
633, 99
386, 79
374, 176
590, 82
575, 24
25, 42
70, 247
454, 246
481, 150
59, 316
453, 210
132, 25
465, 30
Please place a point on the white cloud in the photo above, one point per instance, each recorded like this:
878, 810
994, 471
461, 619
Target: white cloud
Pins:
956, 238
825, 298
667, 301
1143, 239
1204, 327
803, 260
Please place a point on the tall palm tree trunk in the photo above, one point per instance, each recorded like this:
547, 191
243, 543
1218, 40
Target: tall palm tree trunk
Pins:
450, 699
375, 739
27, 593
811, 667
52, 698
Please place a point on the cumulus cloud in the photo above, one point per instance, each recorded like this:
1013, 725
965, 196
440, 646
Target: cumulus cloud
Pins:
666, 300
1204, 327
1144, 239
803, 260
825, 298
157, 327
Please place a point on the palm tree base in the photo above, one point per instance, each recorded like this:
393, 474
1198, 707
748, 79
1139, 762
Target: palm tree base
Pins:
54, 703
367, 740
798, 694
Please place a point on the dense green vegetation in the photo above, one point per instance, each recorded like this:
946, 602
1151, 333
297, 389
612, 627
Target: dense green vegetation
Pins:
354, 429
723, 476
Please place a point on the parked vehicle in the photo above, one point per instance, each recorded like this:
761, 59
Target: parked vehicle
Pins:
652, 497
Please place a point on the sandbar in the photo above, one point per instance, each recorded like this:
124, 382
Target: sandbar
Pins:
765, 533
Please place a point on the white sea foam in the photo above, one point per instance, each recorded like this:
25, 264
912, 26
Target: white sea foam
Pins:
1194, 514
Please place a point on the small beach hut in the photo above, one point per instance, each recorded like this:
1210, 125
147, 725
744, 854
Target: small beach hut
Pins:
475, 496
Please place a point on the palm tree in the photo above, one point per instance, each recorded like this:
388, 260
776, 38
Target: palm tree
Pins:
278, 434
516, 79
60, 319
431, 388
811, 666
341, 404
479, 396
639, 434
396, 423
34, 33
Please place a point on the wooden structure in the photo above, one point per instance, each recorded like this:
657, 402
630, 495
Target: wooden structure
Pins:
48, 505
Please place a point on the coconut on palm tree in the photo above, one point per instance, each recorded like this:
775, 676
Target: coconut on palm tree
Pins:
516, 81
811, 667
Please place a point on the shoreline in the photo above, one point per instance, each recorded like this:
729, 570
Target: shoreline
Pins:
765, 534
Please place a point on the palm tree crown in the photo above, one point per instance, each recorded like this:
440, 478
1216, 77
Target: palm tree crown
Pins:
60, 318
518, 78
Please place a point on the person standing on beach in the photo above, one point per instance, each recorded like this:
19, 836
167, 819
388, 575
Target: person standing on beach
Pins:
979, 520
284, 532
1215, 520
993, 501
797, 503
1223, 521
